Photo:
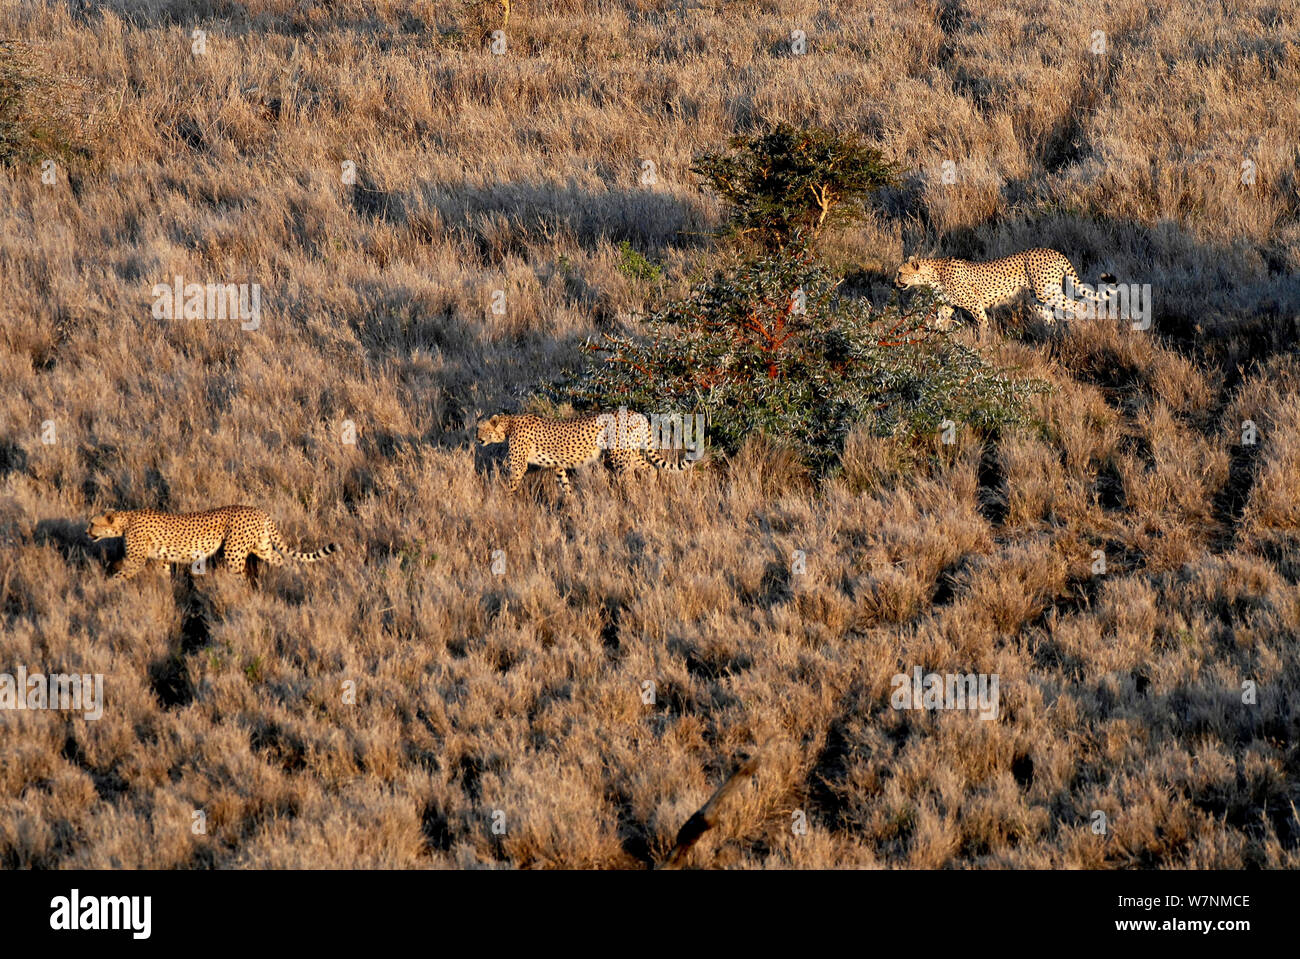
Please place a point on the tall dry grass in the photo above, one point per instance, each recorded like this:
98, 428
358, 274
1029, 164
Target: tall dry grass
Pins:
522, 692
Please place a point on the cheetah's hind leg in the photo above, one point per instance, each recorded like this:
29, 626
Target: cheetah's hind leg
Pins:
627, 463
1059, 312
235, 561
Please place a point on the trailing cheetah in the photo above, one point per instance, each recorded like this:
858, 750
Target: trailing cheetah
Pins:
974, 287
184, 538
562, 445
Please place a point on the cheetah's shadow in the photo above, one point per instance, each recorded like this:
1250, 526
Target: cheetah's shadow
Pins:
77, 549
492, 464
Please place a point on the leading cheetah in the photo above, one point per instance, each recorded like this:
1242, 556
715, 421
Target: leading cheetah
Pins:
562, 445
187, 537
974, 287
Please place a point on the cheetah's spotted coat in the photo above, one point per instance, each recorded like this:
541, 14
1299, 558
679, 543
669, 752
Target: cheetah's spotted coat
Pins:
974, 287
562, 445
186, 537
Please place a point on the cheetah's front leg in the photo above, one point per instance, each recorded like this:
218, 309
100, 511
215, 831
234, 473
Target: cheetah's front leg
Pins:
518, 467
563, 476
130, 566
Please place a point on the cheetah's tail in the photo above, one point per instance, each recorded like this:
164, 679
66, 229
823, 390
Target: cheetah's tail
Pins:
312, 557
1086, 293
282, 547
663, 464
1109, 282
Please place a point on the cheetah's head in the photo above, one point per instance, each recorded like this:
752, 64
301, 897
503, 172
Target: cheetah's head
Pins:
106, 526
914, 272
493, 429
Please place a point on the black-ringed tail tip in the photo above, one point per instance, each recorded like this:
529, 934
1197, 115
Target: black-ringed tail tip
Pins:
312, 557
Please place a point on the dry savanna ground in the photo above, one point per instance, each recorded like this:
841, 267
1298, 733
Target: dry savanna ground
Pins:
1168, 159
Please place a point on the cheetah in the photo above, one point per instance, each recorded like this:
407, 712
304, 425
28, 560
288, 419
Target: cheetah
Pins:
562, 445
184, 538
974, 287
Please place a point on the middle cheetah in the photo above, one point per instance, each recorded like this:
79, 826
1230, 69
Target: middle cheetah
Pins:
562, 445
974, 287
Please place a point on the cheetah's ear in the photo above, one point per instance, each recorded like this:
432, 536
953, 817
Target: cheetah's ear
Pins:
914, 263
108, 517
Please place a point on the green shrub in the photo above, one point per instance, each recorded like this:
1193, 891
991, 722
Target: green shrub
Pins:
634, 265
767, 346
39, 114
794, 181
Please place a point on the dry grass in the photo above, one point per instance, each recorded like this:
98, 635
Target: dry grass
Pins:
522, 692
